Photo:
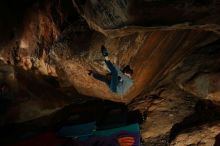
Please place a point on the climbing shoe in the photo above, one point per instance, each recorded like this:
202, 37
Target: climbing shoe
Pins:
104, 51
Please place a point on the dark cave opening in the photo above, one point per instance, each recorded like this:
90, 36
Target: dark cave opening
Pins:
13, 15
217, 140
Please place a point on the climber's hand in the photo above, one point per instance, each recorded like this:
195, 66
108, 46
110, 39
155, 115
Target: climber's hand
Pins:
90, 72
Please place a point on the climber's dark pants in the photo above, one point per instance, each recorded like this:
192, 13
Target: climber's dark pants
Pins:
114, 77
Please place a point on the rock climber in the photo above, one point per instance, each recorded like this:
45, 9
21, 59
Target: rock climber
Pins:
117, 80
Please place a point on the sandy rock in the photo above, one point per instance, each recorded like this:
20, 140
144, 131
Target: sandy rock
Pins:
201, 136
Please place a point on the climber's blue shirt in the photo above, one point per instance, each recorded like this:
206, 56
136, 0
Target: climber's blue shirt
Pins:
119, 87
123, 85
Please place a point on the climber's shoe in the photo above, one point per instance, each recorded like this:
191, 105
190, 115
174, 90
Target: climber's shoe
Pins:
104, 51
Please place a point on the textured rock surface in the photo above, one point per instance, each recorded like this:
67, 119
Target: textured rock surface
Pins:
45, 59
140, 51
179, 102
148, 57
160, 14
203, 136
30, 96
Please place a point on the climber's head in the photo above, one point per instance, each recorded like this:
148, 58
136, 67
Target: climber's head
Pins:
127, 71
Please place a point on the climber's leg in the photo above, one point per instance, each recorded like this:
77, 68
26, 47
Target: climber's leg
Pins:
114, 73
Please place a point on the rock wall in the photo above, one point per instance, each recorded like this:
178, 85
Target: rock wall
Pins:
185, 103
160, 14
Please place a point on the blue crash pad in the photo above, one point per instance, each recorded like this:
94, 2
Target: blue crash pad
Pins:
78, 131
